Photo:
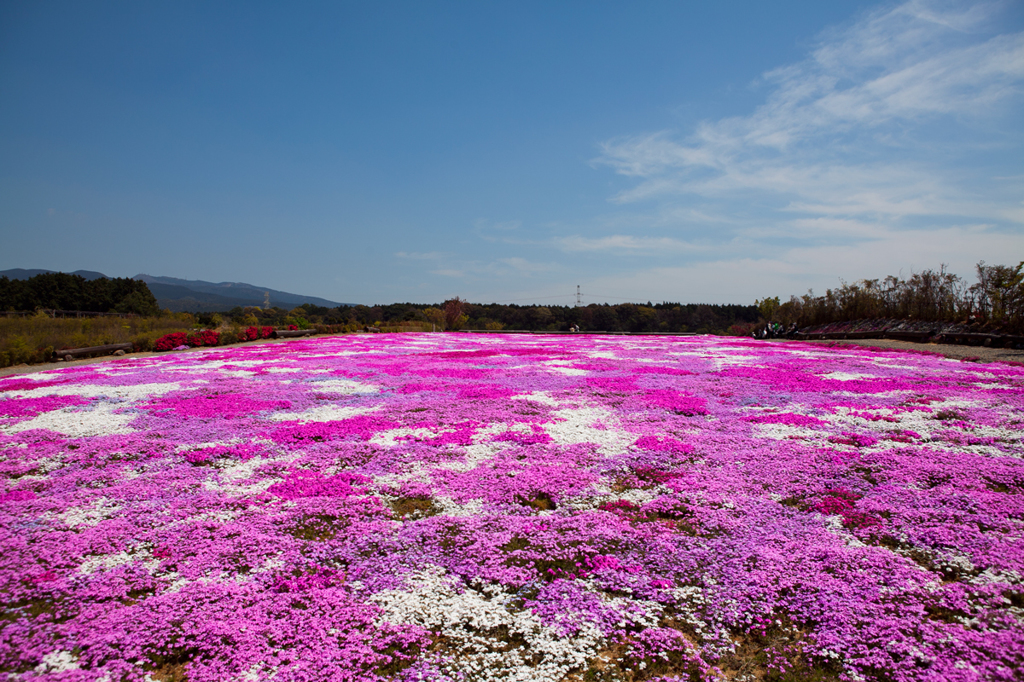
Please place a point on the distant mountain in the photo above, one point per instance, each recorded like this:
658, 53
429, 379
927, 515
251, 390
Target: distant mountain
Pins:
21, 273
197, 296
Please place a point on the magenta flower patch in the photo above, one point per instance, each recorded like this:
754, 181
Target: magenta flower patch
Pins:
538, 508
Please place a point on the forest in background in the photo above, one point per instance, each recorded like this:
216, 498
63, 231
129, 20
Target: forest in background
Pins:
61, 291
625, 317
994, 302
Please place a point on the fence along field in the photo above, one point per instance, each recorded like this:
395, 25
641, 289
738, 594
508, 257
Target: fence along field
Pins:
452, 507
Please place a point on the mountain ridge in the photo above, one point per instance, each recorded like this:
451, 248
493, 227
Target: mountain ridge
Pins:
181, 295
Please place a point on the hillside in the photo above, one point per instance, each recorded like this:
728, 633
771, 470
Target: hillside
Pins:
180, 295
200, 296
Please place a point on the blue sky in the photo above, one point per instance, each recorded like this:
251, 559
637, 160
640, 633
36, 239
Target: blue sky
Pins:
508, 151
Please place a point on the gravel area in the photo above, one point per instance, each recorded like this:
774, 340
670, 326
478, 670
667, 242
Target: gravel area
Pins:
30, 369
955, 351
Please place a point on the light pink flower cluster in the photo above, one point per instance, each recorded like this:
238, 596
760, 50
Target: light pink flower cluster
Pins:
456, 507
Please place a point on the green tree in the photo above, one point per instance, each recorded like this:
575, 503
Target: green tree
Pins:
435, 317
767, 307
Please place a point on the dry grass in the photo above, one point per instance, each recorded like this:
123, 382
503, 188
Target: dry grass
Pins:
33, 339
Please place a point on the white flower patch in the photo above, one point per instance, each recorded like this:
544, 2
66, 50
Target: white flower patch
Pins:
100, 510
576, 425
847, 376
105, 562
236, 373
326, 413
640, 497
131, 393
344, 387
476, 454
390, 437
955, 561
604, 493
783, 431
450, 507
243, 471
58, 662
727, 360
542, 397
562, 367
78, 421
433, 602
271, 565
188, 447
990, 575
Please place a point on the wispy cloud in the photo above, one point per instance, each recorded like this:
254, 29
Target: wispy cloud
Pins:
623, 242
523, 266
894, 145
427, 255
861, 128
500, 267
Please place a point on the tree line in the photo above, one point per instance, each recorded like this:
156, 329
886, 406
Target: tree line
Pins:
458, 314
61, 291
995, 301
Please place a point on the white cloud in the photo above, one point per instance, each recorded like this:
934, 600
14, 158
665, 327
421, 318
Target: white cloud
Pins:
623, 242
860, 128
894, 146
739, 278
429, 255
521, 265
511, 267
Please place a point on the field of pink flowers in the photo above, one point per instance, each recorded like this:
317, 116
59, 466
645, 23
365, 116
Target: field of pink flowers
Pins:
456, 507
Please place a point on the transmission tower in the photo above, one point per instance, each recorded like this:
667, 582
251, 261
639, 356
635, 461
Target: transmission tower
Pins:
266, 300
579, 301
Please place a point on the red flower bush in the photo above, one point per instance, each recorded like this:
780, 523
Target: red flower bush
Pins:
171, 341
253, 333
293, 327
206, 337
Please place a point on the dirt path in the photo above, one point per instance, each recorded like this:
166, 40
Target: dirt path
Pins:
954, 351
31, 369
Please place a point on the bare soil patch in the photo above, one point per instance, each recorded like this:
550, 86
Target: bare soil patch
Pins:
954, 351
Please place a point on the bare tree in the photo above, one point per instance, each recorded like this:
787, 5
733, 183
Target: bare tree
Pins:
454, 318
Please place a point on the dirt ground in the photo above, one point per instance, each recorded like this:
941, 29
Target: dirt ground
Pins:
30, 369
957, 352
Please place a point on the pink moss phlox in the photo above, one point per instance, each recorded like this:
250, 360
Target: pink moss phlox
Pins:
303, 483
17, 496
860, 440
787, 418
686, 405
30, 407
659, 444
363, 427
214, 406
536, 437
825, 513
618, 506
